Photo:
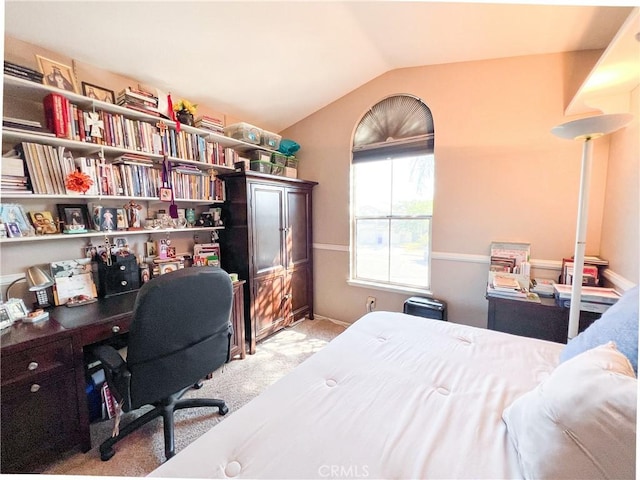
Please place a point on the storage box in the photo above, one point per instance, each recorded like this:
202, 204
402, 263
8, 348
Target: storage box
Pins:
260, 155
245, 132
292, 162
260, 166
290, 172
279, 158
270, 140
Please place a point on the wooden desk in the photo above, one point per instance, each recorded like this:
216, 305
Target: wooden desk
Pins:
43, 398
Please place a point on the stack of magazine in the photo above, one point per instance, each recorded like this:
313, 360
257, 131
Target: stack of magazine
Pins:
592, 299
509, 272
510, 285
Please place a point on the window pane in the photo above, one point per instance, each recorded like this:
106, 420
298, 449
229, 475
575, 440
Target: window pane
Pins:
413, 185
372, 250
372, 189
410, 252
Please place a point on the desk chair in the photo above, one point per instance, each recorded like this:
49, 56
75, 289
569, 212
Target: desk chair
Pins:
180, 332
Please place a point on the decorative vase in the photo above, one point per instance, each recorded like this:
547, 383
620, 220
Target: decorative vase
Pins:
185, 117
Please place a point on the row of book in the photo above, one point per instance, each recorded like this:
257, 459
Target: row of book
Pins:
48, 166
67, 120
590, 272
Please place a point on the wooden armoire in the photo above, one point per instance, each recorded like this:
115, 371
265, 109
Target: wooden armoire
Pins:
267, 242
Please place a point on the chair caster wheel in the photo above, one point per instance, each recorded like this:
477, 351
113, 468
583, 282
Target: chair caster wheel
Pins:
104, 456
198, 386
223, 410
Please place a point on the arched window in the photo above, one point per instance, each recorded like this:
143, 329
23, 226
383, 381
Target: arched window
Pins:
392, 179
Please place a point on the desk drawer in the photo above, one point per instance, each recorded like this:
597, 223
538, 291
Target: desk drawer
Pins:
34, 361
103, 331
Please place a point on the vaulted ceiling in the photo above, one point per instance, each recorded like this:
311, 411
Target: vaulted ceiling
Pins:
272, 63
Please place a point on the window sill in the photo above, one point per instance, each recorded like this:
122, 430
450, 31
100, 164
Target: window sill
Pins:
389, 288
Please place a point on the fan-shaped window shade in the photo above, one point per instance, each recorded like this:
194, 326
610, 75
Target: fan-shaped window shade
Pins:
396, 126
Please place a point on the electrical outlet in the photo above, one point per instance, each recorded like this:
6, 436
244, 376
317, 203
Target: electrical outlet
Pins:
371, 304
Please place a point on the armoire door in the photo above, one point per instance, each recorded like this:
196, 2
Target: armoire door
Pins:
268, 229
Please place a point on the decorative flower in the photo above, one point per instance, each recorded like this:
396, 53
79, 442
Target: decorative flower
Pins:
185, 106
78, 182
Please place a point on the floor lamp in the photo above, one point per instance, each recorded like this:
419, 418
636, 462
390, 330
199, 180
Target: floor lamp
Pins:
586, 129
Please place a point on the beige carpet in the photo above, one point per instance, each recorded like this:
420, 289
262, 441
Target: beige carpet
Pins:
237, 383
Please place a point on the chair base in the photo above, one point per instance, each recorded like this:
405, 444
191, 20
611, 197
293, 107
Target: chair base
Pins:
166, 410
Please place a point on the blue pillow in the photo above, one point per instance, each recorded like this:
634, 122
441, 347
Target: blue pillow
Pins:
619, 323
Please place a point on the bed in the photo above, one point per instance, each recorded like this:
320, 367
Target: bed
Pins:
399, 396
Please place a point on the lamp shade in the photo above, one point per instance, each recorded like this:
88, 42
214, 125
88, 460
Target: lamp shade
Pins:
592, 127
38, 279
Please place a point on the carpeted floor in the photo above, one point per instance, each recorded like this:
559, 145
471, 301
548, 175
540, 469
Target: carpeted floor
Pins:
237, 383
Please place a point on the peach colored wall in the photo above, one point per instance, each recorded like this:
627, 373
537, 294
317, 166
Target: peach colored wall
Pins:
620, 238
500, 174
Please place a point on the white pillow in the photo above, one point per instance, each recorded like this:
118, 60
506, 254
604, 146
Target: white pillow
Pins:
580, 422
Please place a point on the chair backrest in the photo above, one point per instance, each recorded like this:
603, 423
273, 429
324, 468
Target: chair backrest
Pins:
180, 332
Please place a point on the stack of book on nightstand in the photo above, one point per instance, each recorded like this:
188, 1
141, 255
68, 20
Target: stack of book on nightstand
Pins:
592, 299
510, 285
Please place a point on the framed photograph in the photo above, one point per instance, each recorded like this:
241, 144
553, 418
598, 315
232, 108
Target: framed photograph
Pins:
74, 216
43, 222
13, 230
57, 74
109, 219
169, 267
121, 216
98, 93
150, 248
16, 309
14, 213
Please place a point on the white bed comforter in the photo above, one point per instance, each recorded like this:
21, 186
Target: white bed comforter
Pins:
395, 396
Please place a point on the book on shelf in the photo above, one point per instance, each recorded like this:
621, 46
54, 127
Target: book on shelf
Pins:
588, 294
510, 257
20, 71
591, 270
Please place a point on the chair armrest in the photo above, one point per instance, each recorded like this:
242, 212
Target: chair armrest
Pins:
109, 357
117, 374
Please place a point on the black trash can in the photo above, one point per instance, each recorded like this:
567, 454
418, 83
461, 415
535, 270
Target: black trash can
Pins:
426, 307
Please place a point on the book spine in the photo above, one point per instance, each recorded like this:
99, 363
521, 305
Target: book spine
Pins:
54, 107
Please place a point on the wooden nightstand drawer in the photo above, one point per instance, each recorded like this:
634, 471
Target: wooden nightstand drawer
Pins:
38, 360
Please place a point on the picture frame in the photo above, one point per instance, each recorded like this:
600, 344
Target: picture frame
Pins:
56, 74
98, 93
168, 267
121, 219
13, 230
14, 213
75, 217
16, 309
43, 222
108, 219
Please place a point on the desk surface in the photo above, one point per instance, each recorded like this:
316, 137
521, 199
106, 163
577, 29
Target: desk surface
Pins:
67, 320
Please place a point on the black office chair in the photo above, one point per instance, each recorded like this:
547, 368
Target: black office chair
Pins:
180, 333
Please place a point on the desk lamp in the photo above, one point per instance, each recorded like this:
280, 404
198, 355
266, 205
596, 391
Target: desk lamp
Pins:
586, 129
38, 281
